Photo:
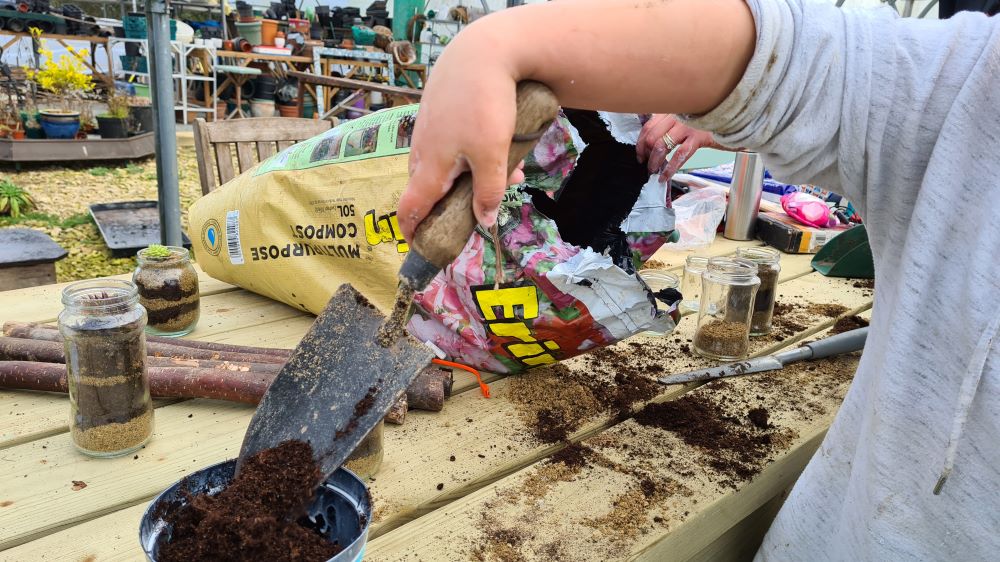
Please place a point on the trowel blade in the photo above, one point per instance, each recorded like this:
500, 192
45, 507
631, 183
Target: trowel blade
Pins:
337, 385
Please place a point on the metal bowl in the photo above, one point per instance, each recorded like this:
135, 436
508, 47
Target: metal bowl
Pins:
341, 510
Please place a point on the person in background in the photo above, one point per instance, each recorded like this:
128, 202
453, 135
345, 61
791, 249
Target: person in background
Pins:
948, 8
897, 114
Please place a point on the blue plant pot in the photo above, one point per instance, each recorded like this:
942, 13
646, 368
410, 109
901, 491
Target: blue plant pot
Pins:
60, 125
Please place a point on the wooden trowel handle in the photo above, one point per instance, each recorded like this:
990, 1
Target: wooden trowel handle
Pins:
444, 233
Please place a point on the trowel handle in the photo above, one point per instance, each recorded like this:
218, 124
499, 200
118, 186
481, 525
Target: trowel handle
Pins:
845, 342
446, 230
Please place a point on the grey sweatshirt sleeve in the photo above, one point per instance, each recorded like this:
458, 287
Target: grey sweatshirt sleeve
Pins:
831, 94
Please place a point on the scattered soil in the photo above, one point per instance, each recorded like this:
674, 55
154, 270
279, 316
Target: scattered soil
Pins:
847, 324
395, 324
78, 485
653, 264
828, 310
254, 518
736, 449
864, 284
722, 338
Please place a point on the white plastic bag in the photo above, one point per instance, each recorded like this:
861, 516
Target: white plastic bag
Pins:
697, 215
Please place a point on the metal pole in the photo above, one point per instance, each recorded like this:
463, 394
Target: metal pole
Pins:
161, 70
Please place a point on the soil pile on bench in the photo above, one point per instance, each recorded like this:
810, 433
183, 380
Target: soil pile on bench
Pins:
254, 518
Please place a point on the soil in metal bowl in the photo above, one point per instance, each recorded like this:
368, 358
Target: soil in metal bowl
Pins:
256, 516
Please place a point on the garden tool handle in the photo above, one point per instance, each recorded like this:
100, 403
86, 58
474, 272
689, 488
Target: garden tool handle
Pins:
442, 235
838, 344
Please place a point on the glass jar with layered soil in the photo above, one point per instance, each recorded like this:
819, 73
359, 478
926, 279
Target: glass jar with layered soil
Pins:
168, 289
102, 324
728, 288
768, 262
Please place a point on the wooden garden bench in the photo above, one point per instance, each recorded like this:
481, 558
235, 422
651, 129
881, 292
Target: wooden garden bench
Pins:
254, 140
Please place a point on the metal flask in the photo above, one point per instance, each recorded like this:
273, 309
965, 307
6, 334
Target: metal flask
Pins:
744, 196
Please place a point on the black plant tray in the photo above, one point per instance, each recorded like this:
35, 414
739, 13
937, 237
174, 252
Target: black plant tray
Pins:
129, 226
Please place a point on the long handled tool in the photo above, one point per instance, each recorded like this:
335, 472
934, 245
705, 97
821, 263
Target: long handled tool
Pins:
846, 342
339, 382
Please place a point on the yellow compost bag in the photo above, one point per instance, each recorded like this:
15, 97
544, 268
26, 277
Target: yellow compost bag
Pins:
319, 214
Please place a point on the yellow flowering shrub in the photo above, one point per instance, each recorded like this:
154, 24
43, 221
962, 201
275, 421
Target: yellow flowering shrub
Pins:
65, 77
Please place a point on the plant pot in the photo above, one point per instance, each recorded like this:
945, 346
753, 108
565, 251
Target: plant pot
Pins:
249, 31
141, 119
32, 130
341, 509
262, 108
18, 134
288, 110
264, 86
268, 29
221, 110
60, 125
132, 49
227, 45
112, 127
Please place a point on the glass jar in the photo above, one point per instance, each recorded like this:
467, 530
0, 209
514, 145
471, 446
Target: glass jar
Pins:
659, 281
728, 288
366, 459
168, 289
111, 412
694, 266
768, 262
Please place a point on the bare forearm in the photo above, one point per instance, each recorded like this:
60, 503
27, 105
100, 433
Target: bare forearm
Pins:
676, 56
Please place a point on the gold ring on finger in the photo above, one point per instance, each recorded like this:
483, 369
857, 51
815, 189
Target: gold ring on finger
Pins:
667, 140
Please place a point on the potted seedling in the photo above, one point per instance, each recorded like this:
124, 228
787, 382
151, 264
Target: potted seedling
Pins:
114, 123
66, 79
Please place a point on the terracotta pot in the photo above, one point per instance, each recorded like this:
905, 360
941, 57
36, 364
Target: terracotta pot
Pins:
268, 31
19, 134
288, 110
227, 45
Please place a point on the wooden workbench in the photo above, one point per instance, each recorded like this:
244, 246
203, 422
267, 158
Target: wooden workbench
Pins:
471, 482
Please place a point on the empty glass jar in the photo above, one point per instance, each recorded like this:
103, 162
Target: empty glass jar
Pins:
694, 266
728, 288
111, 412
768, 262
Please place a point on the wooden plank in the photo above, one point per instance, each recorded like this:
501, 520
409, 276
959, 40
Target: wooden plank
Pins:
265, 129
244, 154
52, 150
415, 452
592, 514
265, 150
27, 276
282, 145
263, 57
43, 303
336, 81
203, 150
180, 445
224, 161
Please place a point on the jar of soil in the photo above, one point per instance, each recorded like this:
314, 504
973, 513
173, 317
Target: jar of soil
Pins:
664, 287
111, 412
694, 266
168, 289
728, 288
768, 262
367, 457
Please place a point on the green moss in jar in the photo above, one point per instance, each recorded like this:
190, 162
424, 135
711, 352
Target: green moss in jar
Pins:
168, 289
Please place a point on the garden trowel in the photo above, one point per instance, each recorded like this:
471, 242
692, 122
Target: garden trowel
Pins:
341, 380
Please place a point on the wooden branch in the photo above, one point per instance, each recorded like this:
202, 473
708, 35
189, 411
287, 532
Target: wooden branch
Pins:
51, 333
397, 414
427, 392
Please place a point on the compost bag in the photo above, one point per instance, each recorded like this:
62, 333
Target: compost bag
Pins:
555, 279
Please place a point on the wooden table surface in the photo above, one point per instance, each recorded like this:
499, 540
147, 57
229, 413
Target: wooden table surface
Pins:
452, 483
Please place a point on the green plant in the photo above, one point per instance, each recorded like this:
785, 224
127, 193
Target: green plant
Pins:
157, 251
100, 171
66, 77
14, 200
133, 169
117, 105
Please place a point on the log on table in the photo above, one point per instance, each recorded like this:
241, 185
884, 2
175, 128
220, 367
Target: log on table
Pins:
397, 413
19, 349
164, 382
179, 381
51, 333
429, 389
157, 349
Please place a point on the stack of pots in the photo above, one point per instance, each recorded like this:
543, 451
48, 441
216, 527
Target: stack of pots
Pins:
251, 31
262, 104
